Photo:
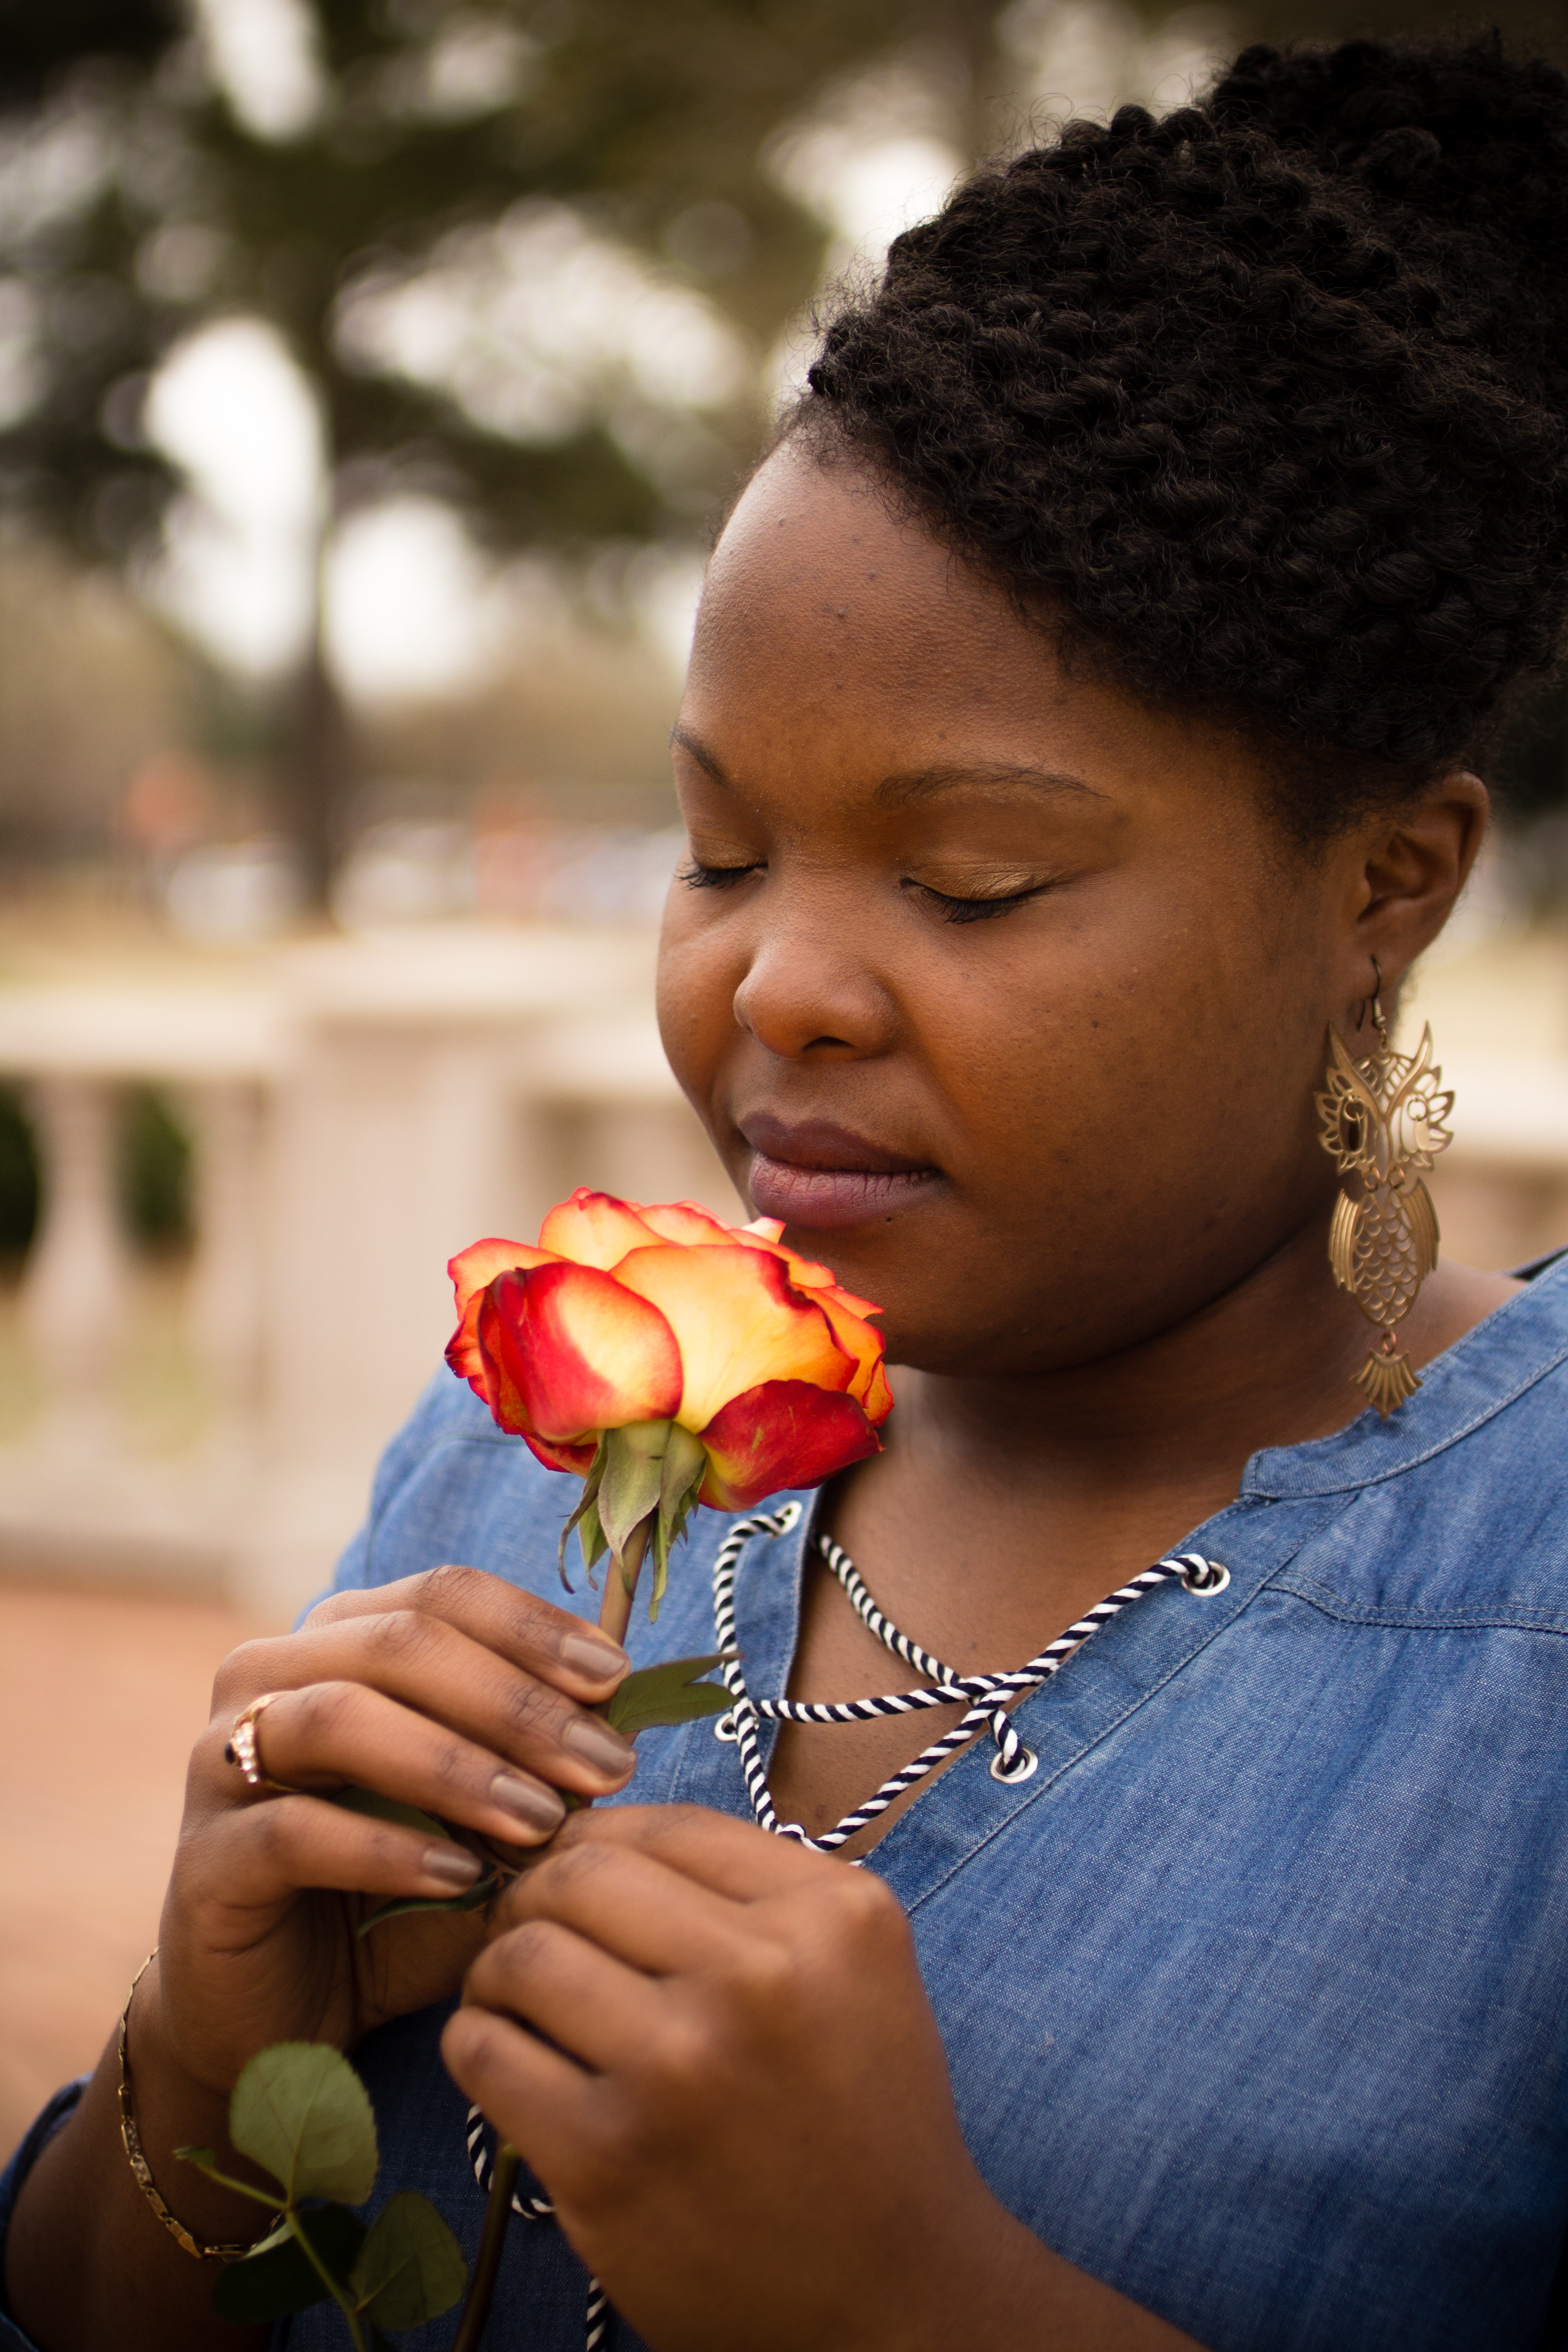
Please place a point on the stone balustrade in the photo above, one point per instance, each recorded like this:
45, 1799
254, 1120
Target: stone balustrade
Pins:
358, 1110
355, 1114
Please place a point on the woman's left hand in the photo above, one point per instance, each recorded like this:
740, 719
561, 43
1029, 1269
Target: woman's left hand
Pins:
753, 2140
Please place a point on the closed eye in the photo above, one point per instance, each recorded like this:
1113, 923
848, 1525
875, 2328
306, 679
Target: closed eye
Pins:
976, 910
697, 876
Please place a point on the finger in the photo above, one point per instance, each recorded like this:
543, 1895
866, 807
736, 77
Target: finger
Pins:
339, 1731
429, 1665
533, 1634
714, 1849
541, 2101
588, 2003
630, 1905
268, 1852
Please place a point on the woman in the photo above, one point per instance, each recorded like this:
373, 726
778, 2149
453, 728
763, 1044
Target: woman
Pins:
1082, 720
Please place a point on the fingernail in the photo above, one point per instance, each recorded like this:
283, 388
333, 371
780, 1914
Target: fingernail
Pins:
449, 1864
597, 1745
591, 1654
528, 1801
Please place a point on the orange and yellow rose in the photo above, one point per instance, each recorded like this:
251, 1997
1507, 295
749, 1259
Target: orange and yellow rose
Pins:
668, 1359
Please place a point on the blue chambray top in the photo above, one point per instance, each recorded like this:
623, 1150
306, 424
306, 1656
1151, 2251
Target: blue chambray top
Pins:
1256, 1995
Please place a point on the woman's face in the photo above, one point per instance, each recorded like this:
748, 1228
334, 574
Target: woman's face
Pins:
998, 986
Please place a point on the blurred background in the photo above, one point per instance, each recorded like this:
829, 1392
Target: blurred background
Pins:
372, 375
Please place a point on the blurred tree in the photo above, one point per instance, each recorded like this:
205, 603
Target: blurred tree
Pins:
138, 201
446, 153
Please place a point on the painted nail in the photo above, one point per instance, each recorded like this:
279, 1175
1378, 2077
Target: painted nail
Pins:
528, 1801
596, 1744
450, 1865
590, 1655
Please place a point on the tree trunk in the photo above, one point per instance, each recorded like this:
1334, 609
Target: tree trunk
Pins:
317, 772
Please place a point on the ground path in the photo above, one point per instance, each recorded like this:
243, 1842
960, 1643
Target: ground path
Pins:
100, 1698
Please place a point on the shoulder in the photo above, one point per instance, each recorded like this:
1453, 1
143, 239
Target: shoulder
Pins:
1457, 1508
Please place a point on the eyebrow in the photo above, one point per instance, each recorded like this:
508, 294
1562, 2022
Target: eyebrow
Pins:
924, 783
918, 784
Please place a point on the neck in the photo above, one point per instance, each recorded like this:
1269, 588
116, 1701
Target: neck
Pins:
1269, 1362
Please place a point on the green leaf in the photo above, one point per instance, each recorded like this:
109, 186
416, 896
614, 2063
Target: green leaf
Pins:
302, 2114
411, 2267
477, 1895
279, 2278
387, 1809
671, 1692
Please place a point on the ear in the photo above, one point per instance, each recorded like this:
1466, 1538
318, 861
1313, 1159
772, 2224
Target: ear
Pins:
1410, 869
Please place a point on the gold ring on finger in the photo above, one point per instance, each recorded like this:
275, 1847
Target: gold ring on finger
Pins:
243, 1747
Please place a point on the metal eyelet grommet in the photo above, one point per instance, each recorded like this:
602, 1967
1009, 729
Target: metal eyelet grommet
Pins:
1024, 1768
725, 1727
1212, 1577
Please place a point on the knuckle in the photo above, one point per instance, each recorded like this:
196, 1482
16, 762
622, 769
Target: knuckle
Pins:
450, 1589
452, 1766
398, 1638
242, 1673
681, 2058
868, 1907
535, 1711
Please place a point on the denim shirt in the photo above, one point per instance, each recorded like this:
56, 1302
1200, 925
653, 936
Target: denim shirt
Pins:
1254, 1997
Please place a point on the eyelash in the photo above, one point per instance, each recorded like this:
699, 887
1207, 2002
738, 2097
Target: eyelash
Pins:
697, 876
976, 911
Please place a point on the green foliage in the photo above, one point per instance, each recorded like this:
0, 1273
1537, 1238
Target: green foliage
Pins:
410, 2267
671, 1692
301, 2112
302, 2115
283, 2279
155, 1171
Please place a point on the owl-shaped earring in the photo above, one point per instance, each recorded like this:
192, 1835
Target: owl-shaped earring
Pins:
1382, 1121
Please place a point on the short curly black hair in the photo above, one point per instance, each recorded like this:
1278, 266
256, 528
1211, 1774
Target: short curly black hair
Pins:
1262, 404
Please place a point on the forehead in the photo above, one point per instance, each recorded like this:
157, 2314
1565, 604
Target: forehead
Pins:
838, 635
819, 582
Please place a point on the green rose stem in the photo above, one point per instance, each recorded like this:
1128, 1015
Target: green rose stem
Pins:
487, 2269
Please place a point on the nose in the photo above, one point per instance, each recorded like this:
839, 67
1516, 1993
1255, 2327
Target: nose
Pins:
809, 989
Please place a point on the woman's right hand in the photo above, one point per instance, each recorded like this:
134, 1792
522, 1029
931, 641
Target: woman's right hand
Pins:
451, 1691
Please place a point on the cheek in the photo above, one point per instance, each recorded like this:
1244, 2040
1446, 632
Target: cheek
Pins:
698, 973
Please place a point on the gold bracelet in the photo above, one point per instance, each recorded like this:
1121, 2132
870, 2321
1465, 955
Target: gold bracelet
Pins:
131, 2140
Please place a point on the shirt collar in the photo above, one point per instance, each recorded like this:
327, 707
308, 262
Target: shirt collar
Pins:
1504, 1354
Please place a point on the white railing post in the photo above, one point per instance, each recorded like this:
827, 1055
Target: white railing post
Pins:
74, 1292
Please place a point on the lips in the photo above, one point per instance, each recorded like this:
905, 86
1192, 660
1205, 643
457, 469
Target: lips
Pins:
820, 1177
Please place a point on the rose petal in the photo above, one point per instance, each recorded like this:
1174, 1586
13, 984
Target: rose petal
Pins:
576, 1458
595, 1229
684, 1221
856, 1336
480, 1263
739, 1322
770, 1228
781, 1433
568, 1351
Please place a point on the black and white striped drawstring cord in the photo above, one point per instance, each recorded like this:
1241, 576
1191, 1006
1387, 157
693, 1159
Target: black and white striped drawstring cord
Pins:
986, 1700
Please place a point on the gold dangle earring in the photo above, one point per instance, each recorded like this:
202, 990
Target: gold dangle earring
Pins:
1382, 1119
